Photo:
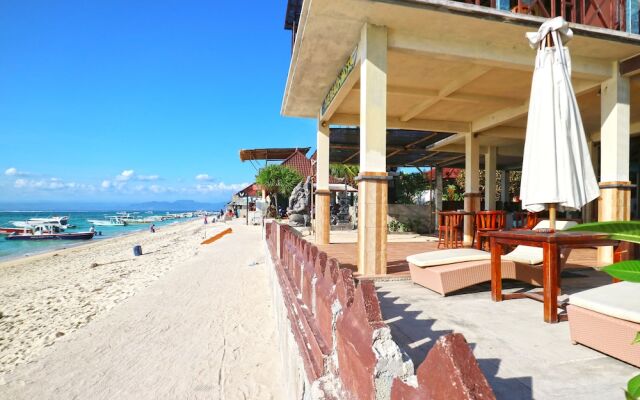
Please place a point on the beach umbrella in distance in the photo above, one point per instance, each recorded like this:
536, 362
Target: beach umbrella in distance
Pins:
556, 168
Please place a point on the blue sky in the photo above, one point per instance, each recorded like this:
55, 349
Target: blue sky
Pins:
139, 100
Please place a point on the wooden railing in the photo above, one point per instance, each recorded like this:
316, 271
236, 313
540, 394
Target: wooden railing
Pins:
609, 14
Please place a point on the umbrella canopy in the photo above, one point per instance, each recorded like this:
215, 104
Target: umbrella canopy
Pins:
556, 167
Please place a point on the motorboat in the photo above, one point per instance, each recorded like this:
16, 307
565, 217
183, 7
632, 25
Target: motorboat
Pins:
6, 230
61, 222
111, 220
50, 232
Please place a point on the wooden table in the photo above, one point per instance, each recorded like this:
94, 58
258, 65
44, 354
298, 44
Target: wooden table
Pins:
449, 222
552, 244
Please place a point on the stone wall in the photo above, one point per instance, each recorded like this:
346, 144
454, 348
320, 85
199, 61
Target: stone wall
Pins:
335, 344
417, 217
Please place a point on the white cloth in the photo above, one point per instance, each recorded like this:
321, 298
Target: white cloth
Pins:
556, 167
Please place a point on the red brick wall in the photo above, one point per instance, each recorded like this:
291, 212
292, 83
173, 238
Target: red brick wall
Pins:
336, 321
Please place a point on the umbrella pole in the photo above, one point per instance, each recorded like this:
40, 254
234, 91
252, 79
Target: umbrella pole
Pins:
552, 216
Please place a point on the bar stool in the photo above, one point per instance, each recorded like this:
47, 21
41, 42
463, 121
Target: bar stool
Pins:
454, 223
487, 221
442, 230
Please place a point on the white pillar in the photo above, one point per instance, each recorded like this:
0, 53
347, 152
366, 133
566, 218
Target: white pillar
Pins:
490, 178
615, 187
322, 194
373, 184
471, 183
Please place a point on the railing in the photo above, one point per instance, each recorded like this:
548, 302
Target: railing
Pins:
609, 14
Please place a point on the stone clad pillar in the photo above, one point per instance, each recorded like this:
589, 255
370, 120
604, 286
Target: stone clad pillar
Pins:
490, 178
323, 195
614, 203
373, 178
471, 184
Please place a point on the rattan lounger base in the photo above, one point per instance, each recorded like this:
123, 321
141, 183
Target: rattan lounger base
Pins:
608, 335
445, 279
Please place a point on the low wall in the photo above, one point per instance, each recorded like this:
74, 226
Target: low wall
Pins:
335, 344
417, 217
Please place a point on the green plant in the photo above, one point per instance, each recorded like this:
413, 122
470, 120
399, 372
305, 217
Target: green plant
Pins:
344, 171
409, 187
628, 231
397, 226
278, 179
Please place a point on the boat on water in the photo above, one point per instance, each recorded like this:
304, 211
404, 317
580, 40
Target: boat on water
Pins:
50, 232
7, 230
111, 220
61, 222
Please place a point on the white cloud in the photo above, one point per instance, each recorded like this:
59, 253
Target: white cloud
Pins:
203, 177
15, 172
148, 177
125, 175
49, 184
106, 184
220, 187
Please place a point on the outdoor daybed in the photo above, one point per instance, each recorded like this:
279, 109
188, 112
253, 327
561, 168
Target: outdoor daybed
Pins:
446, 271
607, 319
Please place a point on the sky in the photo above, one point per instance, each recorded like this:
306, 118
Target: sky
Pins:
140, 100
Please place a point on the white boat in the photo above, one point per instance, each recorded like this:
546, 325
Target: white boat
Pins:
113, 220
57, 221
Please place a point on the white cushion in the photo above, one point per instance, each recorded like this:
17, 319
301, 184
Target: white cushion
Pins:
533, 255
618, 300
450, 256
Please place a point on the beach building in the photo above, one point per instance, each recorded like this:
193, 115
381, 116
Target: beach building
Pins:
445, 84
461, 71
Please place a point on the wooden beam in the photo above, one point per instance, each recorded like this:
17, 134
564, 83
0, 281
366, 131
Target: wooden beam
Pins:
454, 97
451, 159
411, 145
346, 160
520, 58
413, 125
428, 156
445, 142
630, 66
506, 132
462, 80
507, 115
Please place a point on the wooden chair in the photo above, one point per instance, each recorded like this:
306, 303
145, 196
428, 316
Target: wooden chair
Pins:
487, 221
525, 219
454, 223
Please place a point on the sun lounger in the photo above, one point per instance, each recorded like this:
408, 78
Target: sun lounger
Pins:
446, 271
607, 319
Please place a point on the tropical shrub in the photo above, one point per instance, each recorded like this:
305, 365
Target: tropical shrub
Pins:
278, 180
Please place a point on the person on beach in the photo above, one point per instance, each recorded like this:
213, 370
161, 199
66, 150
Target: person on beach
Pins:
152, 228
205, 220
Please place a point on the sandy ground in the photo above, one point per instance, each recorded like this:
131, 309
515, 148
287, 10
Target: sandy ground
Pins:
199, 325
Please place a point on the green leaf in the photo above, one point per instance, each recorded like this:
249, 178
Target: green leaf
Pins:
625, 270
637, 339
633, 387
628, 231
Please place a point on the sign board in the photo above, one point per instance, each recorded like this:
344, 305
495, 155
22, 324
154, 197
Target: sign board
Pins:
342, 77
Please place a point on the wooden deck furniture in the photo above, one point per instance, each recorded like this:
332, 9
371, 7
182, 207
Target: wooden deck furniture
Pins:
487, 221
552, 244
525, 219
453, 222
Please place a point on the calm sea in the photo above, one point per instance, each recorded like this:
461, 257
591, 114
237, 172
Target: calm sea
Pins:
16, 248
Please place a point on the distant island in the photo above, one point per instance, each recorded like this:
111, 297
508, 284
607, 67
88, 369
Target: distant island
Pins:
178, 205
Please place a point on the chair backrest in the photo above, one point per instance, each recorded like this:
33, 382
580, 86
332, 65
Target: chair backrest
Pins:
490, 220
455, 219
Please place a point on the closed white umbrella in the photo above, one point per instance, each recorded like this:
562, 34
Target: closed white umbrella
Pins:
556, 169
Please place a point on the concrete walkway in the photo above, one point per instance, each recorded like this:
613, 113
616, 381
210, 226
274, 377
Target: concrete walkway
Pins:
204, 330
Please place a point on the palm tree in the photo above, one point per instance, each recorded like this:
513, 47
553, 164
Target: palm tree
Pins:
278, 179
344, 171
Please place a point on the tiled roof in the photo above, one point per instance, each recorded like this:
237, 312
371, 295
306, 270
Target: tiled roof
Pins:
447, 173
300, 163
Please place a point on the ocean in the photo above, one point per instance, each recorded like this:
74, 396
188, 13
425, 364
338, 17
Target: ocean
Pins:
17, 248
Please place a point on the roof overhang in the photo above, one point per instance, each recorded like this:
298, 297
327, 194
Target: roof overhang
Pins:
270, 154
431, 43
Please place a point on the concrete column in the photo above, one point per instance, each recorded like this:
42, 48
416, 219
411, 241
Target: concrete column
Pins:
322, 198
490, 178
373, 178
439, 191
471, 184
504, 187
614, 203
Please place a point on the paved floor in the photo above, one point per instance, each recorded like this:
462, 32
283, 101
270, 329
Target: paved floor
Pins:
205, 330
523, 357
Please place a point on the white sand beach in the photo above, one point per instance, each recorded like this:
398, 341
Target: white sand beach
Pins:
182, 329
